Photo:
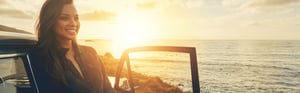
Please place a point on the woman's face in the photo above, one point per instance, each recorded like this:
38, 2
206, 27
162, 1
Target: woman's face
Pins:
67, 24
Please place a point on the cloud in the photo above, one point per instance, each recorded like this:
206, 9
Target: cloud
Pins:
147, 5
15, 9
193, 3
186, 3
232, 3
273, 3
98, 15
252, 12
14, 13
261, 6
3, 2
260, 3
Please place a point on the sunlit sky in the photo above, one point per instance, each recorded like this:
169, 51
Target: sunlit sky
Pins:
179, 19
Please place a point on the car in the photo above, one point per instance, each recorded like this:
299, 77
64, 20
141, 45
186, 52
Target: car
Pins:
17, 75
125, 58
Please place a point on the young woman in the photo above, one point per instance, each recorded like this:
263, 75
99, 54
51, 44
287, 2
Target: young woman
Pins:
60, 64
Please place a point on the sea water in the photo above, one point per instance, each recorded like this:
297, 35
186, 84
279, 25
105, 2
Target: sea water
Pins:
224, 65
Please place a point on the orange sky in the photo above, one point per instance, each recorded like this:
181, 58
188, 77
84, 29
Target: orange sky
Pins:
180, 19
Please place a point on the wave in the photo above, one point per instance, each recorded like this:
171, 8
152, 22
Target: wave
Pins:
249, 65
156, 60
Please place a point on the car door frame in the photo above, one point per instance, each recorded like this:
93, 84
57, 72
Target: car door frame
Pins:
125, 58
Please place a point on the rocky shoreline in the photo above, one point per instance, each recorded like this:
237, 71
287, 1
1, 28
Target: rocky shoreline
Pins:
146, 84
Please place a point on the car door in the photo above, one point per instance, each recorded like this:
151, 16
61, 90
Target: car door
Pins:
15, 74
129, 81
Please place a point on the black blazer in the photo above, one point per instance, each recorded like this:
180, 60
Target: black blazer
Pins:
95, 79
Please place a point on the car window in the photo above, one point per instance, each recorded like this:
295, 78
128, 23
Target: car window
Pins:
157, 69
13, 75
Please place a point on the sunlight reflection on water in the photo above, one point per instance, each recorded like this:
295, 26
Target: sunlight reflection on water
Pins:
230, 65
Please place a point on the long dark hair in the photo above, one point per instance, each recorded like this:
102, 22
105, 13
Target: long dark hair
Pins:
47, 41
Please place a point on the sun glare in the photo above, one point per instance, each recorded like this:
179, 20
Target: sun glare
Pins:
132, 29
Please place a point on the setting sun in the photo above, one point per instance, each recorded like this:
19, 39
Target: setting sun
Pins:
131, 29
239, 46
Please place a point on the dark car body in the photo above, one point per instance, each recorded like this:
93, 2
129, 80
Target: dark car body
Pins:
17, 76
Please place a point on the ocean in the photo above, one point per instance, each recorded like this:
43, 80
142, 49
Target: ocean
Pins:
225, 66
247, 66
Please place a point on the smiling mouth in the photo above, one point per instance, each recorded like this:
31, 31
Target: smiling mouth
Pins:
72, 31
